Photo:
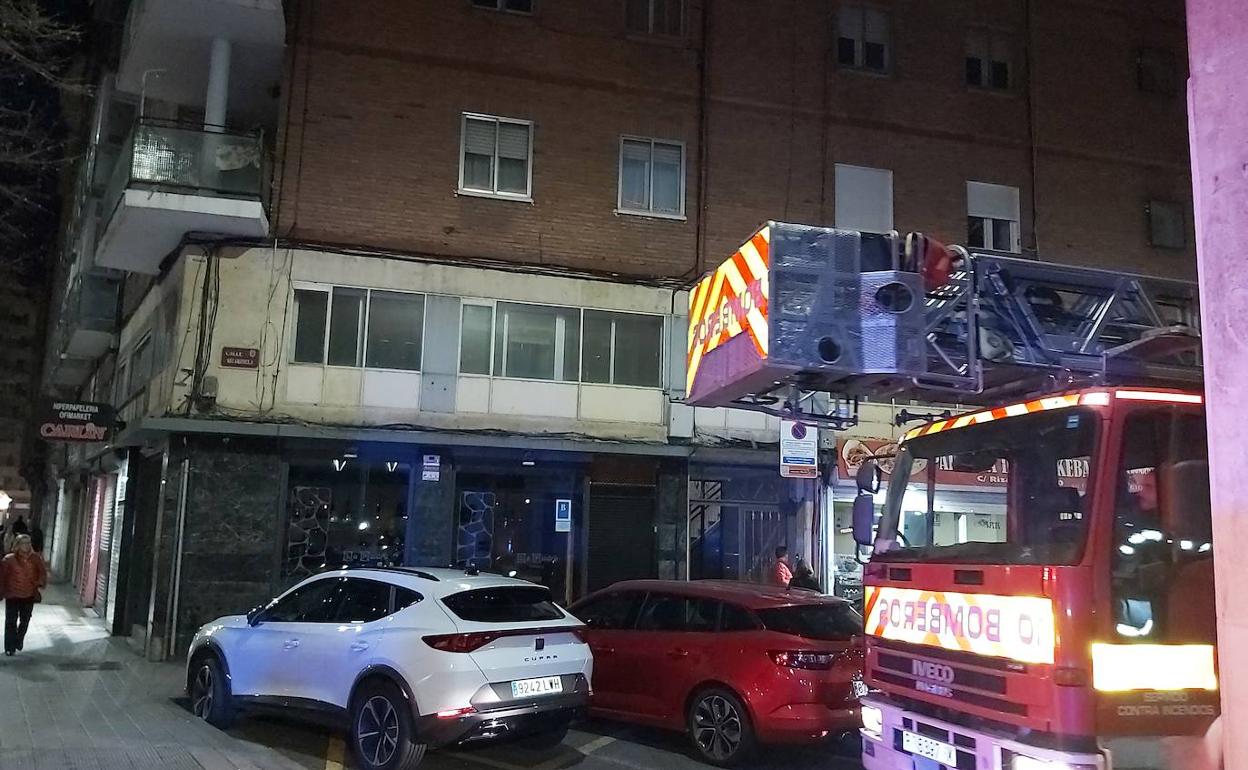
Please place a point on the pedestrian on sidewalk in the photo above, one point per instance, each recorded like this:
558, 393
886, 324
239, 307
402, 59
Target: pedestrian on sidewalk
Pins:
804, 578
781, 572
22, 575
16, 527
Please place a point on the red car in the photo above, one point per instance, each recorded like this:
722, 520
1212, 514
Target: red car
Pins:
732, 664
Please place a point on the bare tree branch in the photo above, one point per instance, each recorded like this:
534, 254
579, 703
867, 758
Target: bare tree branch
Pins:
35, 52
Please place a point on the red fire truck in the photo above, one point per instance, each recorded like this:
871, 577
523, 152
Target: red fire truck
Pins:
1061, 616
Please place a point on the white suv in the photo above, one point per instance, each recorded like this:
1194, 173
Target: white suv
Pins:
407, 658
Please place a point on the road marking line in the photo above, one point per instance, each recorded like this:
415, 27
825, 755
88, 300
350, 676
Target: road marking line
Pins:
600, 742
335, 753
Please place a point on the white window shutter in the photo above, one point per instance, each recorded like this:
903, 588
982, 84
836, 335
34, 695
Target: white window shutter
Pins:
996, 201
666, 154
875, 26
479, 136
513, 141
864, 198
850, 22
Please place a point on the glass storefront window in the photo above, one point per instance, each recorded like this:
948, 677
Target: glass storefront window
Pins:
345, 511
505, 524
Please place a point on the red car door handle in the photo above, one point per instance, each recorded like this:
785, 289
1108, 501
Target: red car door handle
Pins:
678, 653
602, 650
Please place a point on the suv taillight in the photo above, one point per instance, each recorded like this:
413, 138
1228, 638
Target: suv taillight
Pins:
803, 659
461, 642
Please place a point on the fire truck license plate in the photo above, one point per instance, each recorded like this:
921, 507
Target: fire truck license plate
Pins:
926, 747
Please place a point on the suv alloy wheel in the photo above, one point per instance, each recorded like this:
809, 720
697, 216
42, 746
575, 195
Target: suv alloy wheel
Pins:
382, 730
209, 689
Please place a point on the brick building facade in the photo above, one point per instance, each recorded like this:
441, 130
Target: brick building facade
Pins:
764, 110
422, 265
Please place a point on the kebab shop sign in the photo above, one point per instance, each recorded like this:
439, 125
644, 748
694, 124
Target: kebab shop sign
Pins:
852, 452
1016, 627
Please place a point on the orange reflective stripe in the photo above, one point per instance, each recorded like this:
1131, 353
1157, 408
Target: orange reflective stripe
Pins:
1047, 403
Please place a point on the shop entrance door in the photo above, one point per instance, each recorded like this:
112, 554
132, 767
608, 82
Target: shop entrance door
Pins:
736, 522
621, 534
88, 574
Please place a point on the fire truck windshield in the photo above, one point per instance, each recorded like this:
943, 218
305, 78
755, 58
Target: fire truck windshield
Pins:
1011, 491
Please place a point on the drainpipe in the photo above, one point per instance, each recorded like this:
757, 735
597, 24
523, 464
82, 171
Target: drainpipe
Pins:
216, 102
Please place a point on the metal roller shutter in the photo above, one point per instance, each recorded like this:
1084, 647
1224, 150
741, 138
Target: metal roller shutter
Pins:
621, 534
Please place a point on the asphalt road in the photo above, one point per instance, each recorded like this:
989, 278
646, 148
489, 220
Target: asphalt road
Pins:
594, 746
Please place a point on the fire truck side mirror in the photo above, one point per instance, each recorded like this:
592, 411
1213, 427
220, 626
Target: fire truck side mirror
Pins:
869, 477
864, 519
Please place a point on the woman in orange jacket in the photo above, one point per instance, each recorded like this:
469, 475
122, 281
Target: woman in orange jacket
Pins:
22, 575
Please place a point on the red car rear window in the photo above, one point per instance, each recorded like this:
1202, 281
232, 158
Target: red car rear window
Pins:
825, 622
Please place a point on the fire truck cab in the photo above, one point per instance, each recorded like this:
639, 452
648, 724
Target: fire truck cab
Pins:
1082, 625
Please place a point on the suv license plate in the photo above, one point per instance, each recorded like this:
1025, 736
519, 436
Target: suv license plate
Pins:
546, 685
926, 747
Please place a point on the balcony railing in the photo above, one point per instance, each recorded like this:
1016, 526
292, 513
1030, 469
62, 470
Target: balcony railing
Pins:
189, 159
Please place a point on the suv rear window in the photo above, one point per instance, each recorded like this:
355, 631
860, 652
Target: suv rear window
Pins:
826, 622
507, 604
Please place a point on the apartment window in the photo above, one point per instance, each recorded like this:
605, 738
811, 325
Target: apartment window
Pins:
395, 329
342, 326
623, 349
989, 60
862, 40
311, 312
1155, 71
992, 216
346, 325
512, 6
476, 341
120, 383
864, 198
652, 177
1167, 226
656, 17
537, 343
140, 365
497, 157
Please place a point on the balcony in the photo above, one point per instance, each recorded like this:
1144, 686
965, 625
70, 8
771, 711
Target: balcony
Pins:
165, 52
172, 179
89, 316
85, 328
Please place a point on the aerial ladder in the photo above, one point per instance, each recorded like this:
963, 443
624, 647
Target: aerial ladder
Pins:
1077, 630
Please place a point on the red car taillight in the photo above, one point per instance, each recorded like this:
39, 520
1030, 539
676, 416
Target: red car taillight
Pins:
810, 661
461, 642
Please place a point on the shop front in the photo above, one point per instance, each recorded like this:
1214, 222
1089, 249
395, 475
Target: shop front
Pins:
225, 522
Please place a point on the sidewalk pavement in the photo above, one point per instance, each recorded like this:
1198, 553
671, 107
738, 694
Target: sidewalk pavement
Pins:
77, 699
